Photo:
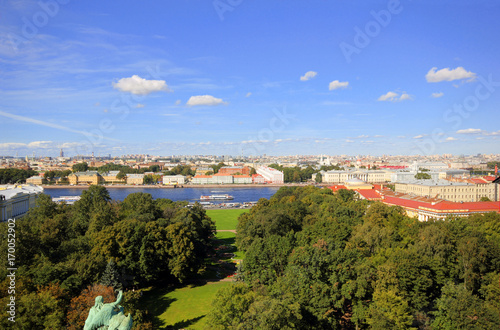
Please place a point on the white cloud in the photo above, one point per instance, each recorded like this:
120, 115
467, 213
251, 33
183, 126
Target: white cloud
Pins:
139, 105
40, 144
349, 141
470, 131
419, 136
395, 97
308, 76
204, 100
405, 96
338, 84
248, 94
390, 96
436, 95
140, 86
12, 145
451, 138
449, 75
178, 102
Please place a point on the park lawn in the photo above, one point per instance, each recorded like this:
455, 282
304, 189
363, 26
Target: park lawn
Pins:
226, 219
228, 238
183, 308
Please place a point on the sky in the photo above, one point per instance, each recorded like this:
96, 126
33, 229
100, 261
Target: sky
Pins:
241, 77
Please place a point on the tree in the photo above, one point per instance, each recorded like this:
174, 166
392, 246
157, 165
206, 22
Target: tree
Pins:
319, 178
484, 199
121, 175
458, 308
229, 306
111, 277
80, 167
79, 306
389, 311
43, 309
421, 175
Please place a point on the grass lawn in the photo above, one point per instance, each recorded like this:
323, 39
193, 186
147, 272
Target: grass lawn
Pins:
226, 219
182, 308
186, 307
228, 238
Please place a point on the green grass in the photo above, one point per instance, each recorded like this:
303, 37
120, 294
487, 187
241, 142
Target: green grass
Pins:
226, 219
182, 308
228, 238
186, 307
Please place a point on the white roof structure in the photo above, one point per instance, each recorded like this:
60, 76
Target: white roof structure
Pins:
11, 191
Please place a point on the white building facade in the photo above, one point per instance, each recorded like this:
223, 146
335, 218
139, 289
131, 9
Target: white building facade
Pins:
15, 201
270, 174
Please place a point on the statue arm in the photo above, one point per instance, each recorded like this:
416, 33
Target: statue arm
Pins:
119, 298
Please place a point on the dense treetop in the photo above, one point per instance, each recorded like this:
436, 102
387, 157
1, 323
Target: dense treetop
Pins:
321, 260
63, 249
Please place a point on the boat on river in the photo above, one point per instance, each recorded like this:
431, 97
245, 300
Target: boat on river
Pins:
224, 197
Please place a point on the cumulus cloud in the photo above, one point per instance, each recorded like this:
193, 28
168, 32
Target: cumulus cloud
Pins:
338, 84
140, 86
248, 94
451, 138
419, 136
436, 95
138, 105
390, 96
11, 145
395, 97
405, 96
308, 76
204, 100
178, 102
449, 75
470, 131
40, 144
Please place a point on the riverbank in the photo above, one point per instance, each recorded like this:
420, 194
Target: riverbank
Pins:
117, 186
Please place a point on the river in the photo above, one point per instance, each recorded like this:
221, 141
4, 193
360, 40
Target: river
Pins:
240, 194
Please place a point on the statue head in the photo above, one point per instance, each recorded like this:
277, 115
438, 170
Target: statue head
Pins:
99, 301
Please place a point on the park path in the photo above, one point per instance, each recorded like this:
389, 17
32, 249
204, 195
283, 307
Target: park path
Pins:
227, 230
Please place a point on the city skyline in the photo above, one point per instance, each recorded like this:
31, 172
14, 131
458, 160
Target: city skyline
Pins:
249, 78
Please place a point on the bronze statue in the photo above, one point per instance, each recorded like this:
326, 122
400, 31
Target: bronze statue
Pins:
108, 316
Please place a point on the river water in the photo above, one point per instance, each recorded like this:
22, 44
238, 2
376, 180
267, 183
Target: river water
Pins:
240, 194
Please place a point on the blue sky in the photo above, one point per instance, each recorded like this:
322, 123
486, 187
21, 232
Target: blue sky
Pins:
249, 77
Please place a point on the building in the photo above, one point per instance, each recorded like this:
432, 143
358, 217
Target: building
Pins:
15, 201
270, 174
221, 178
373, 176
425, 209
258, 179
232, 170
89, 177
202, 179
242, 179
421, 207
174, 179
110, 177
135, 179
36, 180
470, 190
